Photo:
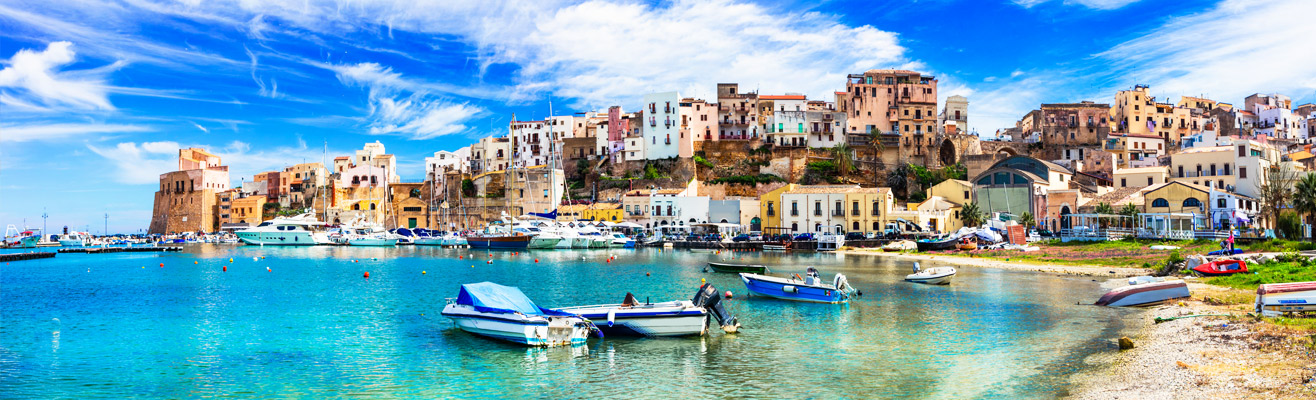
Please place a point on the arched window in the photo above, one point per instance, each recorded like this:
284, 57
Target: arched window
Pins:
817, 227
372, 206
795, 227
1192, 202
856, 225
356, 180
1160, 203
356, 206
876, 226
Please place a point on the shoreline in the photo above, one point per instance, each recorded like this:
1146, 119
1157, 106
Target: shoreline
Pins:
1079, 270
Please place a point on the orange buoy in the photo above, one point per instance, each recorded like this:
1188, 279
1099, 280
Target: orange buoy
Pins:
646, 274
267, 269
728, 294
225, 268
194, 262
460, 257
489, 262
367, 274
161, 265
536, 260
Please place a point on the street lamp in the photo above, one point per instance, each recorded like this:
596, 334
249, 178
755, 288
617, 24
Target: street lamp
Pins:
44, 232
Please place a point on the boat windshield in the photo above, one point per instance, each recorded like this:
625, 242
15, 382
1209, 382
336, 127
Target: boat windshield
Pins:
266, 223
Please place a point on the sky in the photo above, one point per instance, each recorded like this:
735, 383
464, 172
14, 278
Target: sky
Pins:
96, 97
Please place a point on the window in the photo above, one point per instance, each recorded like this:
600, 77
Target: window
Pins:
1160, 203
1124, 182
986, 180
854, 209
877, 208
771, 212
1242, 172
1192, 202
856, 225
1220, 202
817, 208
795, 227
372, 206
1242, 151
795, 210
876, 227
1149, 181
411, 209
1226, 170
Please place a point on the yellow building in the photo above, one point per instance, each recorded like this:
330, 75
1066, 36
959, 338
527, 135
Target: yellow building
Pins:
1178, 197
941, 211
1140, 177
571, 212
770, 207
1137, 112
610, 212
867, 209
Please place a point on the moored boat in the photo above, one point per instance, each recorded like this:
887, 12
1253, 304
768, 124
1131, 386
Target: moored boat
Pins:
503, 312
301, 230
737, 268
1145, 294
498, 241
372, 240
934, 245
809, 288
74, 239
774, 247
1275, 299
672, 318
931, 276
1221, 268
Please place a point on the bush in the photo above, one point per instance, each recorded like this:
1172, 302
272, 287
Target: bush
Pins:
824, 167
1289, 225
703, 162
468, 188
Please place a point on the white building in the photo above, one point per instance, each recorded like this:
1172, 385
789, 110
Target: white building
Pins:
491, 154
955, 112
662, 125
825, 125
458, 160
1225, 204
374, 154
787, 127
530, 143
670, 208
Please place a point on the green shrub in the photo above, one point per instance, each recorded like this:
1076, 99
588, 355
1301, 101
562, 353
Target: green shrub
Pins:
1289, 225
703, 162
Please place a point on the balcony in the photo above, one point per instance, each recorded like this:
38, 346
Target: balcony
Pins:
838, 213
771, 213
795, 213
817, 213
854, 213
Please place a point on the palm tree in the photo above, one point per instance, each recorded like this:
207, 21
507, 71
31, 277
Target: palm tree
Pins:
1304, 197
1026, 219
1130, 211
1103, 208
970, 215
844, 157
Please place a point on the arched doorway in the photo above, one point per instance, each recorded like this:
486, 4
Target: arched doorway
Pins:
1064, 217
755, 224
946, 154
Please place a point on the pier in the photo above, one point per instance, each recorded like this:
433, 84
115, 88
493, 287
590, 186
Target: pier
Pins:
26, 256
100, 250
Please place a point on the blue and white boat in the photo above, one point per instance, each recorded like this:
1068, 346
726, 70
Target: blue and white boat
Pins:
503, 312
809, 288
671, 318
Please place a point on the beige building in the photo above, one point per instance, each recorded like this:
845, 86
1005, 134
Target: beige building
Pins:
1137, 112
699, 120
1134, 150
947, 197
1074, 124
186, 199
899, 102
491, 154
955, 113
737, 113
1140, 177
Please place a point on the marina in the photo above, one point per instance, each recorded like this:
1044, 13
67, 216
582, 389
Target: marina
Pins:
303, 321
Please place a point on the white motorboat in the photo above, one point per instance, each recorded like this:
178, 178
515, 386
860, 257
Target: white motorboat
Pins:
1145, 294
671, 318
74, 239
619, 240
503, 312
1276, 299
301, 230
539, 239
931, 276
372, 240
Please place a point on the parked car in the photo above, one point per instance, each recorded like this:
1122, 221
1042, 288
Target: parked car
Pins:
804, 237
855, 236
756, 237
741, 238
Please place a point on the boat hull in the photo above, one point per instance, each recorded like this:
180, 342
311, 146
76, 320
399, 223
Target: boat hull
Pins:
935, 276
738, 268
1145, 294
643, 321
1276, 299
498, 242
791, 289
288, 238
539, 242
1221, 268
372, 242
946, 244
518, 328
428, 241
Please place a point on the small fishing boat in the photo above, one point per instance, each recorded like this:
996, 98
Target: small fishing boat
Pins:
74, 239
934, 244
931, 276
1221, 268
810, 288
1275, 299
1164, 247
372, 240
672, 318
1223, 252
504, 312
774, 247
967, 245
737, 268
1145, 294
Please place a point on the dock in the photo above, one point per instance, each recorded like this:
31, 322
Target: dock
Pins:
26, 256
101, 250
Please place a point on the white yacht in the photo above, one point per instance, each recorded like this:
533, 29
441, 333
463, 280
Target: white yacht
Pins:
74, 239
301, 230
540, 239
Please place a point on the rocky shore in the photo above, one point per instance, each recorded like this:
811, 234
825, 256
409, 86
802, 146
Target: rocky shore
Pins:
1084, 270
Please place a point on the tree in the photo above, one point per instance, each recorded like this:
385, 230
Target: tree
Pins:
898, 180
1026, 219
1130, 211
1304, 197
843, 156
970, 215
1103, 208
1274, 190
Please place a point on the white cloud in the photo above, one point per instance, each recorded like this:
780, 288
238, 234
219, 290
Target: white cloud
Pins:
1093, 4
143, 163
403, 106
1238, 48
198, 126
34, 132
140, 164
36, 76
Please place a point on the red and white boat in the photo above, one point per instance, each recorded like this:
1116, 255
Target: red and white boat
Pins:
1221, 267
1274, 299
1145, 294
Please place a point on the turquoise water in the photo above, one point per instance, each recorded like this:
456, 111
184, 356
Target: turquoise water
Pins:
311, 326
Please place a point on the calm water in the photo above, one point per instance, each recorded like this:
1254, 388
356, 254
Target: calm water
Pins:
80, 326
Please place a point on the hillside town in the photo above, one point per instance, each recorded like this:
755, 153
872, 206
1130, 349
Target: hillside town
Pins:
882, 156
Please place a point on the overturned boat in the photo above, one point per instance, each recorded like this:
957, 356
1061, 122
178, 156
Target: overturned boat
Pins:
1145, 294
809, 288
671, 318
503, 312
1276, 299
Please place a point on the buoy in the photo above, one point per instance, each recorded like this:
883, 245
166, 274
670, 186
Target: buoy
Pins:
646, 274
489, 262
367, 274
194, 262
230, 260
701, 280
267, 269
161, 265
422, 272
255, 259
536, 260
225, 268
262, 257
472, 266
460, 257
728, 294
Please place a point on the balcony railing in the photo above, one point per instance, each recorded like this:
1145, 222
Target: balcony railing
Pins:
817, 213
854, 213
795, 213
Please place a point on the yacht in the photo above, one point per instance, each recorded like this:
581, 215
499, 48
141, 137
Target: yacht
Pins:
74, 239
301, 230
539, 239
620, 240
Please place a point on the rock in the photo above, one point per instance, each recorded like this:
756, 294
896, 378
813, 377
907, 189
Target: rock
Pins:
1181, 364
1126, 343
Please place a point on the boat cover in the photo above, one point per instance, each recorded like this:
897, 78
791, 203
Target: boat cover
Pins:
492, 297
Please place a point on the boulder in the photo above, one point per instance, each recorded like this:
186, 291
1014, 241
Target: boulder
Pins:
1125, 343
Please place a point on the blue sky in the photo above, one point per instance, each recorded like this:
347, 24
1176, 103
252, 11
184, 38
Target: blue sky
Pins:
96, 97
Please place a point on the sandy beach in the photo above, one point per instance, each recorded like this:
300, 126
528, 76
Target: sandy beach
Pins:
1084, 270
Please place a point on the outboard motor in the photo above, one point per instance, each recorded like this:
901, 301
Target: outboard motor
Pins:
708, 298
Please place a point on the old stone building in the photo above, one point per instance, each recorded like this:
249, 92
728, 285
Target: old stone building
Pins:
186, 199
899, 102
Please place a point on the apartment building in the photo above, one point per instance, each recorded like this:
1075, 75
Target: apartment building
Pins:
737, 113
491, 154
1135, 151
954, 113
699, 121
1238, 168
661, 130
532, 140
1074, 124
898, 102
786, 127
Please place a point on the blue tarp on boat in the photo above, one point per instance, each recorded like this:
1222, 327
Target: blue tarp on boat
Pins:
492, 297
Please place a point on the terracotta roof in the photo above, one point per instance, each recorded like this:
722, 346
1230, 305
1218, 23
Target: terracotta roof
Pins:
783, 97
343, 158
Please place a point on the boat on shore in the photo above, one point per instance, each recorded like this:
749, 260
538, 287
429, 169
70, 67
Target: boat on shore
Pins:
503, 312
1145, 294
900, 245
809, 288
932, 276
775, 247
737, 268
1276, 299
935, 245
671, 318
1221, 268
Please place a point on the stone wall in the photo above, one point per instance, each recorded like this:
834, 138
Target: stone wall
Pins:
184, 211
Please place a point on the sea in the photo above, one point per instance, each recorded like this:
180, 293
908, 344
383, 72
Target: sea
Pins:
305, 322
